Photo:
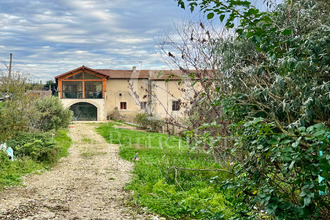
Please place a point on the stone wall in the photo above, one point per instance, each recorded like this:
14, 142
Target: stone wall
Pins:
100, 104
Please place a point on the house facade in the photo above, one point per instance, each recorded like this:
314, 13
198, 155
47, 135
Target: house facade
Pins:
101, 94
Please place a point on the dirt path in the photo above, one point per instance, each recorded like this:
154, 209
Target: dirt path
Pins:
88, 184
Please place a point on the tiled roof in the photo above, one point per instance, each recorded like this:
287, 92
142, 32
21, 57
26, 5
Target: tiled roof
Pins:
142, 74
133, 74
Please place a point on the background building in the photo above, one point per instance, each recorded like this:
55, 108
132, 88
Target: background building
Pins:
100, 94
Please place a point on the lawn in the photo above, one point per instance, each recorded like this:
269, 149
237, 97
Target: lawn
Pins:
157, 185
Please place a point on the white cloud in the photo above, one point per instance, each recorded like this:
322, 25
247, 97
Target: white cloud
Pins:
48, 38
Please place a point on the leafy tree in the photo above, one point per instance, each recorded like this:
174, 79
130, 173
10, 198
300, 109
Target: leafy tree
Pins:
50, 84
274, 89
18, 113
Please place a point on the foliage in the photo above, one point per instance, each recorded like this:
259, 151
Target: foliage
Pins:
281, 172
154, 181
141, 119
38, 146
272, 90
11, 172
21, 117
17, 116
149, 122
41, 147
51, 84
33, 152
26, 113
53, 114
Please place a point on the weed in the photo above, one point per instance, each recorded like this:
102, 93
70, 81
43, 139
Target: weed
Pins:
87, 140
90, 154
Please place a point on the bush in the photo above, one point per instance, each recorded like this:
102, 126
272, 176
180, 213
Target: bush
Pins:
18, 115
38, 146
53, 114
141, 120
148, 122
273, 89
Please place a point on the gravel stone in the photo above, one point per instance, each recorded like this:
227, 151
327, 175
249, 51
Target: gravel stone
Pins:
88, 184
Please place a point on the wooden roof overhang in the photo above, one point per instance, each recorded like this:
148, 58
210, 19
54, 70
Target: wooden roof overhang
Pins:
65, 77
79, 69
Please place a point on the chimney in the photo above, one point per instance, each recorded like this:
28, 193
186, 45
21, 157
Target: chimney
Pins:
134, 68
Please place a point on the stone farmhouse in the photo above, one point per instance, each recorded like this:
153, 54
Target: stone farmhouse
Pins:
101, 94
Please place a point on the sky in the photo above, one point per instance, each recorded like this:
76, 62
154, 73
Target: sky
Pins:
50, 37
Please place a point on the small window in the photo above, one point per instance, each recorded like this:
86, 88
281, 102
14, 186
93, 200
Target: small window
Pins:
143, 105
76, 76
123, 105
90, 76
176, 105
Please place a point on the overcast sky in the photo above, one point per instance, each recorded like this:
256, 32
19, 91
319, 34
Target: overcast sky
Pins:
50, 37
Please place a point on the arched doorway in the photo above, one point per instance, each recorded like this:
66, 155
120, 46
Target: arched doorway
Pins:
84, 111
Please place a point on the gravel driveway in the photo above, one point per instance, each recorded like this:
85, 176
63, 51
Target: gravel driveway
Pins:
88, 184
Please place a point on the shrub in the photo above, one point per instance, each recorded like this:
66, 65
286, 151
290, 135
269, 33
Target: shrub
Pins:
148, 122
38, 146
53, 114
141, 120
17, 116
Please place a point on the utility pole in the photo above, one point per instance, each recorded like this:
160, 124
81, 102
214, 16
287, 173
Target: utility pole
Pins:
9, 72
11, 59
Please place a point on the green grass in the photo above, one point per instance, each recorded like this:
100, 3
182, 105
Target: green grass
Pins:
87, 140
12, 171
63, 142
2, 104
154, 183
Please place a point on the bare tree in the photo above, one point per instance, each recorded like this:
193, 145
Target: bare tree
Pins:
194, 50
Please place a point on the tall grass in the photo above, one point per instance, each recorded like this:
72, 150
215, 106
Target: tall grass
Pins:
187, 194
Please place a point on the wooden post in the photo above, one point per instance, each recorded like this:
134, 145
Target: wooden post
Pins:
59, 89
83, 88
104, 87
